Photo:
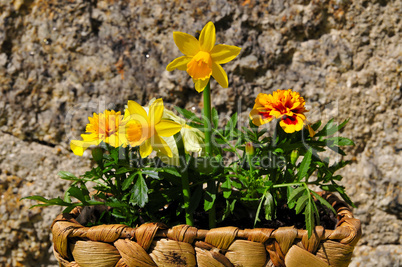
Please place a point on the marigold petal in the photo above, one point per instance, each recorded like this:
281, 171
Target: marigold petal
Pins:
292, 124
146, 148
179, 63
159, 145
156, 111
220, 75
167, 128
186, 43
222, 54
208, 37
200, 84
259, 118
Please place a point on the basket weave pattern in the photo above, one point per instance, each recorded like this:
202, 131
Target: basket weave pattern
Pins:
152, 244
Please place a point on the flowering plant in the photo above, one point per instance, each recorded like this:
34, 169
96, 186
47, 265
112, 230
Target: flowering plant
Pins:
228, 174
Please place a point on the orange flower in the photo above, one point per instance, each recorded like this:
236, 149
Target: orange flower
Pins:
286, 105
102, 127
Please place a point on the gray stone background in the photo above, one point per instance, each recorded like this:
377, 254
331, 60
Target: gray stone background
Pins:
62, 60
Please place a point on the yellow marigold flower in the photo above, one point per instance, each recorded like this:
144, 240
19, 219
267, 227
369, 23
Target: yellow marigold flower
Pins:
286, 105
145, 129
202, 58
104, 127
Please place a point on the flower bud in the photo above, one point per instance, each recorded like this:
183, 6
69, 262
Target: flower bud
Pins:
293, 156
249, 149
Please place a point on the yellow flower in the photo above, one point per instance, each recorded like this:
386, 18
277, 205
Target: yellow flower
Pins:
193, 138
286, 105
104, 127
146, 129
202, 58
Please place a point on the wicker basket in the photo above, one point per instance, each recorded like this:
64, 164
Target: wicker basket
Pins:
153, 245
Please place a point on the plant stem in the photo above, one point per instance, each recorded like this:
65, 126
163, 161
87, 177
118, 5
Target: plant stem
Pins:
208, 146
184, 178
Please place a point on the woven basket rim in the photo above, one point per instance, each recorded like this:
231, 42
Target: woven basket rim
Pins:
347, 229
277, 242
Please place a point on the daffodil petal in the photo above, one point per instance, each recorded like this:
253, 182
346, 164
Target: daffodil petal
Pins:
161, 146
179, 63
208, 37
222, 54
156, 111
220, 75
200, 84
135, 108
146, 148
186, 43
167, 128
78, 147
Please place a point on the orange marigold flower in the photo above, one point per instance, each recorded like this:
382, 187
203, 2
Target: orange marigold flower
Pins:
286, 105
102, 127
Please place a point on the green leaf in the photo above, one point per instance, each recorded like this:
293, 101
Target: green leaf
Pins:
296, 193
67, 176
305, 164
139, 194
269, 206
209, 200
152, 174
227, 187
128, 181
301, 203
340, 141
188, 115
309, 217
123, 170
78, 193
231, 124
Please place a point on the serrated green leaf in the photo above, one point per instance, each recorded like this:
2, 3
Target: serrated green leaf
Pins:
309, 217
296, 193
152, 174
123, 170
78, 193
305, 164
139, 194
301, 203
128, 181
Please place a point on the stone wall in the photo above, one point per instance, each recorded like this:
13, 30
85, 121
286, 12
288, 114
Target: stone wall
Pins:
60, 61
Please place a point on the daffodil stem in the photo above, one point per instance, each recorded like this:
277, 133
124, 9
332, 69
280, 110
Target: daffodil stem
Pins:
184, 178
208, 147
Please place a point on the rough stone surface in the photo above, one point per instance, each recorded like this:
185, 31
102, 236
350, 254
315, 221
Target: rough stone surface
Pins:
62, 60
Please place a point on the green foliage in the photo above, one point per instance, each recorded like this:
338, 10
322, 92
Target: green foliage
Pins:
278, 171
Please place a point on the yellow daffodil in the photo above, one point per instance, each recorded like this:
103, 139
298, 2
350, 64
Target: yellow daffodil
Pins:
286, 105
104, 127
193, 138
202, 58
146, 129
